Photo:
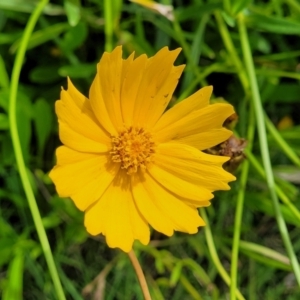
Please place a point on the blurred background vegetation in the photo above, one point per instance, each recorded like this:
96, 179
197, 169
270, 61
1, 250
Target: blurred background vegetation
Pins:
68, 40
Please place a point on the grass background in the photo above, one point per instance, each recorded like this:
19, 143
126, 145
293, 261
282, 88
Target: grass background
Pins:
249, 227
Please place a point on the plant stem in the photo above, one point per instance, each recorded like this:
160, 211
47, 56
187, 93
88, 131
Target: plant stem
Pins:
140, 274
232, 52
281, 142
18, 151
214, 254
264, 144
109, 26
239, 209
284, 198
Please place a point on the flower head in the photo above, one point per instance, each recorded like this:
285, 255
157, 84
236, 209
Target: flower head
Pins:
129, 164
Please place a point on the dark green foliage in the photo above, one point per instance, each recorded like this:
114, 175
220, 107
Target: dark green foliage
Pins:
69, 40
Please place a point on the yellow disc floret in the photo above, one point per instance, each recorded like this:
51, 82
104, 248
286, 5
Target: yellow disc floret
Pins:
133, 148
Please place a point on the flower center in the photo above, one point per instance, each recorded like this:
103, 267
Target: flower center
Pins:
133, 148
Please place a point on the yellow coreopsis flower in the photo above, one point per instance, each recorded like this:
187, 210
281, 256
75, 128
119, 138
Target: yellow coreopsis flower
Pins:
129, 164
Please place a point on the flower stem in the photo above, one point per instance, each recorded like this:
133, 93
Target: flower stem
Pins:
18, 151
245, 169
108, 28
281, 142
239, 210
232, 51
214, 254
186, 49
280, 193
264, 144
140, 275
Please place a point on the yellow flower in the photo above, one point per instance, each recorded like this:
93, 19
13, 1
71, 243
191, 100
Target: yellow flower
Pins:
126, 163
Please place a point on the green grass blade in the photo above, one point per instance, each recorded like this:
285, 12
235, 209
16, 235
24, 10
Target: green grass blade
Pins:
18, 151
264, 144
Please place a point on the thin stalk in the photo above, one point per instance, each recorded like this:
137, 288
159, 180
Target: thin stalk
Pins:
190, 288
239, 209
225, 35
281, 142
284, 198
205, 72
18, 151
108, 26
214, 254
140, 275
245, 169
186, 49
294, 5
278, 73
264, 144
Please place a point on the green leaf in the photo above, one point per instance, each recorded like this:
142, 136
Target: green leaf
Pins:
74, 37
259, 202
239, 5
44, 74
176, 273
24, 114
189, 12
78, 71
18, 5
4, 98
7, 244
9, 38
72, 8
285, 93
196, 50
4, 122
272, 24
14, 288
4, 80
116, 11
228, 19
42, 117
7, 151
42, 36
52, 220
288, 174
28, 7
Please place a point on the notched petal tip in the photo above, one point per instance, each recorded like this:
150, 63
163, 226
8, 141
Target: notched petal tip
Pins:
206, 91
172, 54
126, 247
176, 51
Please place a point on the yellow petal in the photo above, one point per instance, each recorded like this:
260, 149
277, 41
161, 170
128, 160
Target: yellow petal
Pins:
148, 207
116, 217
178, 214
179, 186
193, 166
206, 119
109, 71
105, 91
75, 171
198, 100
76, 117
130, 88
95, 188
126, 67
159, 70
79, 142
66, 156
139, 225
205, 140
163, 97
